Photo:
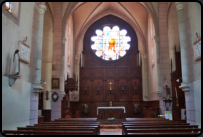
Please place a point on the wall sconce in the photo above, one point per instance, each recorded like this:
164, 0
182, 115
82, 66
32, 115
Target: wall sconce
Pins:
47, 95
43, 81
178, 80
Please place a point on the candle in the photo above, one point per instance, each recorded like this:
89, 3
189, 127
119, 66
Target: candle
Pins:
176, 93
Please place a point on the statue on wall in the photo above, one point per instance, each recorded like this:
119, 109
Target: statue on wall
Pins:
136, 107
16, 63
85, 109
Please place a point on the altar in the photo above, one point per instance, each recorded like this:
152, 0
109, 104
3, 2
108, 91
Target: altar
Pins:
106, 112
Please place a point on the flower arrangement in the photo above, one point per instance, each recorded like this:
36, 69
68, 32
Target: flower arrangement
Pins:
164, 98
85, 108
111, 119
66, 113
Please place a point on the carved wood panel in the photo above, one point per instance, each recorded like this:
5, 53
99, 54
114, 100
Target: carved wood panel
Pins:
110, 73
123, 90
123, 73
85, 90
98, 73
86, 74
110, 90
98, 90
135, 94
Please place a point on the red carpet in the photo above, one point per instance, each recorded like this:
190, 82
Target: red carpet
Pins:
110, 127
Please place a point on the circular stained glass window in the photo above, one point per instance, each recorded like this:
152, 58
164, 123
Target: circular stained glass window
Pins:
110, 44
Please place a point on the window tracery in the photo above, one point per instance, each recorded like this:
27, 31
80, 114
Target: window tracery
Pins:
110, 44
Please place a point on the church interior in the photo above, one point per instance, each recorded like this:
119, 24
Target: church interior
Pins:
93, 68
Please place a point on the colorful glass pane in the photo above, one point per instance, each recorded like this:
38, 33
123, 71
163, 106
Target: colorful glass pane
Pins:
8, 6
110, 44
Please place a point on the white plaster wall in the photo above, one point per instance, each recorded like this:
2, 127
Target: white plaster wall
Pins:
15, 104
47, 49
173, 34
17, 100
152, 70
12, 34
195, 20
64, 7
56, 107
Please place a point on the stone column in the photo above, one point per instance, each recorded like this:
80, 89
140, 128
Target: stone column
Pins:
159, 91
37, 86
145, 74
62, 67
183, 49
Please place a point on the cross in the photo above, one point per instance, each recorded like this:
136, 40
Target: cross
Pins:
110, 85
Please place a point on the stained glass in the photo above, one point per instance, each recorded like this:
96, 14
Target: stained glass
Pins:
8, 6
110, 44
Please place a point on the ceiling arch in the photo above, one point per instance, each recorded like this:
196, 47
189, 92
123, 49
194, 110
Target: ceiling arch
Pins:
141, 38
72, 6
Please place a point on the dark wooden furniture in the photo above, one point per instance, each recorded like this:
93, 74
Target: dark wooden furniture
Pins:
158, 126
40, 119
177, 74
20, 132
66, 127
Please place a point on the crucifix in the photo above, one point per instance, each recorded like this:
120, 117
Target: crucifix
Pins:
110, 85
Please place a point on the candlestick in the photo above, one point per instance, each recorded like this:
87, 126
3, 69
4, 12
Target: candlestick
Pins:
176, 93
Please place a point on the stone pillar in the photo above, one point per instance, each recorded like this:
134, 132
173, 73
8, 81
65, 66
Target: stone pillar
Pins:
182, 34
37, 86
159, 91
62, 67
145, 75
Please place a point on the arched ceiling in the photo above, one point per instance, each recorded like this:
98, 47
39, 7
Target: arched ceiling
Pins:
85, 12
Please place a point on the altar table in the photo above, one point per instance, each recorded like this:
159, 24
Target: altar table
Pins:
110, 108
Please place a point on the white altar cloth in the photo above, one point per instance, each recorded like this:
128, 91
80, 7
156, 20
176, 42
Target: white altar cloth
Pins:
110, 108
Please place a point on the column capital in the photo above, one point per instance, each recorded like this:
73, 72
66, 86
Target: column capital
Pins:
156, 38
64, 40
179, 6
42, 8
185, 87
159, 93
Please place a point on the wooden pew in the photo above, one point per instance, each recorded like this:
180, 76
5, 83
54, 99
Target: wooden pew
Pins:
163, 133
66, 127
95, 132
146, 119
148, 124
124, 128
155, 122
22, 132
164, 130
76, 119
70, 122
67, 124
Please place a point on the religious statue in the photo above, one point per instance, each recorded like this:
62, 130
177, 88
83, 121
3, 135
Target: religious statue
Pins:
136, 107
167, 92
85, 108
16, 63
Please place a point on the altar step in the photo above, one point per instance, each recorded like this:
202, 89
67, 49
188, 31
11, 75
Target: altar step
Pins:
113, 128
110, 126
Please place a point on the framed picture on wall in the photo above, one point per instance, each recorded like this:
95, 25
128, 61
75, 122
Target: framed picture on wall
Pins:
24, 51
55, 83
